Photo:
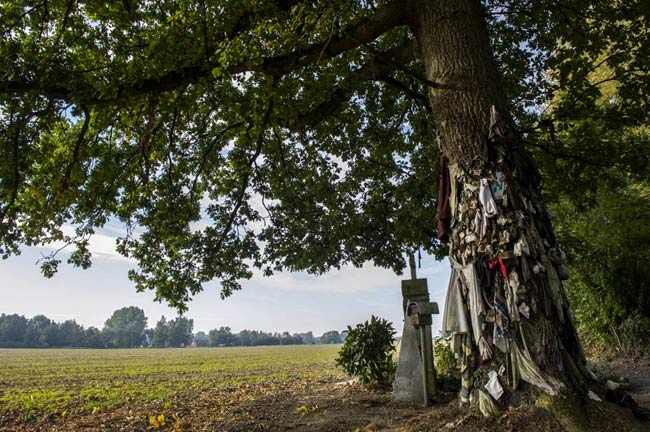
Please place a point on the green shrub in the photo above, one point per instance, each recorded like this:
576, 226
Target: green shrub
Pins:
448, 374
367, 353
444, 357
635, 334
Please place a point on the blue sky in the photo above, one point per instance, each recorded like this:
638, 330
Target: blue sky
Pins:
294, 302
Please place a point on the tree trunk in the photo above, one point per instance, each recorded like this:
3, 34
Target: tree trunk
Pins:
513, 317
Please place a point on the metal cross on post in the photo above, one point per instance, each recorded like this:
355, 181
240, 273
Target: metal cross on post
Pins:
415, 375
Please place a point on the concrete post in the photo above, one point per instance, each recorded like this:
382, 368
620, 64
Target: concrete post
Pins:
415, 375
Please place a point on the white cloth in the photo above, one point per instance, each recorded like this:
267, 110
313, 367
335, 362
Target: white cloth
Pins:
477, 309
479, 224
521, 247
493, 385
454, 319
484, 349
487, 200
454, 174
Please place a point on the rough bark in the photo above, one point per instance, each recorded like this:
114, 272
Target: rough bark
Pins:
506, 266
456, 53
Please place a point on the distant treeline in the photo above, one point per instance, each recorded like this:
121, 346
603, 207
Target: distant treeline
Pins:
127, 328
224, 337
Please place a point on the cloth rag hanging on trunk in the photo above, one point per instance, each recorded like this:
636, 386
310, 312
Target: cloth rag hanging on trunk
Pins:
477, 308
493, 386
454, 318
501, 332
487, 200
455, 173
523, 367
467, 366
443, 208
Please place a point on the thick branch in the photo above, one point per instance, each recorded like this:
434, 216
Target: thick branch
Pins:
567, 156
363, 32
18, 124
376, 69
246, 177
424, 102
16, 173
77, 147
207, 153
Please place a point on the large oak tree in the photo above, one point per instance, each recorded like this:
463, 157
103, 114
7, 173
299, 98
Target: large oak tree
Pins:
304, 135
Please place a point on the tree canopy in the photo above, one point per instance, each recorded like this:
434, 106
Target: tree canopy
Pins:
601, 196
125, 328
173, 333
232, 135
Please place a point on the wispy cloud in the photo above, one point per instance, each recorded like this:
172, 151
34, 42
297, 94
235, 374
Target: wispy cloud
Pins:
101, 245
347, 280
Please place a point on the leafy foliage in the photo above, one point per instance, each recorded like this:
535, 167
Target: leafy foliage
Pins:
367, 353
548, 48
223, 336
16, 331
229, 136
330, 337
597, 180
173, 333
125, 328
609, 258
447, 371
160, 333
444, 357
160, 115
180, 332
635, 333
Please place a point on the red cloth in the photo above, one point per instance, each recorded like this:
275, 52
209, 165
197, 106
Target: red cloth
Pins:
444, 190
502, 267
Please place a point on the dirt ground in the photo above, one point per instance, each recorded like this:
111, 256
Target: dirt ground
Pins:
329, 406
332, 407
637, 371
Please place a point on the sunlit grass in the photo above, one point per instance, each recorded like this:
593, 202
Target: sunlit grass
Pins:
93, 380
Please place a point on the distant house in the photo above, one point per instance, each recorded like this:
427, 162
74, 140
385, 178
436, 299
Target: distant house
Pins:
200, 340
